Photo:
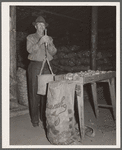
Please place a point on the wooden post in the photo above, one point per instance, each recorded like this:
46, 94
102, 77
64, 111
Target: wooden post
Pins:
94, 37
13, 67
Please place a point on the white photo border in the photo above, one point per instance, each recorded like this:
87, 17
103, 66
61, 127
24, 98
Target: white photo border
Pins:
5, 70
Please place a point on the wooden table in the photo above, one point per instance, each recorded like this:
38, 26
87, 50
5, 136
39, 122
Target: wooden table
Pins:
80, 82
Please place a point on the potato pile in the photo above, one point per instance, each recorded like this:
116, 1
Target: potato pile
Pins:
75, 76
74, 58
107, 48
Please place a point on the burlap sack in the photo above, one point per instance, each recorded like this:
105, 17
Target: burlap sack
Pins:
60, 113
44, 79
22, 87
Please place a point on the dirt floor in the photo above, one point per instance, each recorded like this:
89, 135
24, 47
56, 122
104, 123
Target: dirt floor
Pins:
22, 132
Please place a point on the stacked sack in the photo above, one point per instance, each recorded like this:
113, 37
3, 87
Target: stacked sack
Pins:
22, 62
22, 87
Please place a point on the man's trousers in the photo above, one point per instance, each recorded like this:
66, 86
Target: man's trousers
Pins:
36, 101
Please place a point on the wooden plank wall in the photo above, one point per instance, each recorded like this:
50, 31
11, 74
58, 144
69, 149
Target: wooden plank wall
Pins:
13, 61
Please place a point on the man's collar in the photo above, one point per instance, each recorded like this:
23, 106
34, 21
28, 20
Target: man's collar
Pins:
39, 36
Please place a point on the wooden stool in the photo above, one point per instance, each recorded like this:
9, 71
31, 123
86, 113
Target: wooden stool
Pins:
111, 83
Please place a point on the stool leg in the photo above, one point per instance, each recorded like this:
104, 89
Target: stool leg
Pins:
81, 109
112, 94
94, 93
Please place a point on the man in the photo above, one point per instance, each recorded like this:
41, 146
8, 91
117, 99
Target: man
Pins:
36, 48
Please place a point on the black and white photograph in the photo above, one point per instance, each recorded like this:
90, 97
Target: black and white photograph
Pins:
60, 74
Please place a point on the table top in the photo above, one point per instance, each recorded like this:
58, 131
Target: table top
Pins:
89, 78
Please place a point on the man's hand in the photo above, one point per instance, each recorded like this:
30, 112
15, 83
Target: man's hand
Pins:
45, 39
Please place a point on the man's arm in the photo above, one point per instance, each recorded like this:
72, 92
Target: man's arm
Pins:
51, 48
31, 45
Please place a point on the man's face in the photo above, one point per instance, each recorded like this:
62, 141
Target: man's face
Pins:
40, 27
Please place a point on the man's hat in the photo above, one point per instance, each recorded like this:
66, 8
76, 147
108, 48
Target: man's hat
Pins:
40, 19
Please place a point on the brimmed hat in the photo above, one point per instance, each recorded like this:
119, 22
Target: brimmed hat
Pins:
40, 19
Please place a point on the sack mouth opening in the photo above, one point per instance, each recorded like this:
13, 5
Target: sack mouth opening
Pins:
46, 75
